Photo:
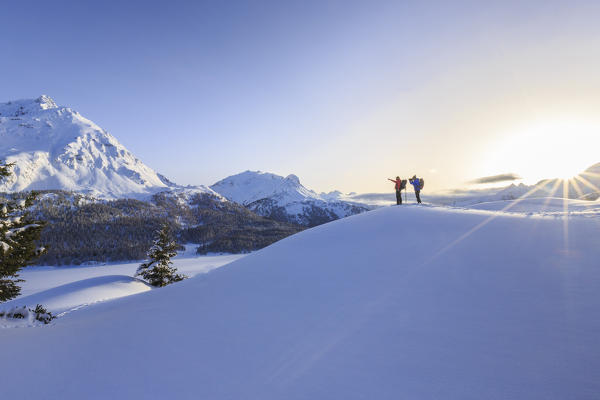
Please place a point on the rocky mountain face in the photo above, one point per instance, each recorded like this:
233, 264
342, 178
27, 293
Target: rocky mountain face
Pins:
285, 199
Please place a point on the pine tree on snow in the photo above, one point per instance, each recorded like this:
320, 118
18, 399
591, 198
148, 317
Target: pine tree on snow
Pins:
18, 235
158, 270
5, 169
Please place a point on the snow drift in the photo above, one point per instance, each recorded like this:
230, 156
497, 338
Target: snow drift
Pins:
402, 302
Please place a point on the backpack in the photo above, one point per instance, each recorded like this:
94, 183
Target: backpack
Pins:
403, 184
421, 183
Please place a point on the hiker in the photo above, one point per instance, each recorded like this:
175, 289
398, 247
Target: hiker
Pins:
399, 185
418, 185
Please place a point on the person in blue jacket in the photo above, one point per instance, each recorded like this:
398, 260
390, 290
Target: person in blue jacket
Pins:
416, 182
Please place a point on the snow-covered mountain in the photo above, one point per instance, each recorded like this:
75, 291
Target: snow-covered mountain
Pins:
285, 199
57, 148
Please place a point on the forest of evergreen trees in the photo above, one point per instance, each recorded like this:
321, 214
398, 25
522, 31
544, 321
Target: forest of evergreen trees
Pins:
81, 229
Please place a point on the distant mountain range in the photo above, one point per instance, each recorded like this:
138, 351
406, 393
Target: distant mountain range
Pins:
285, 199
56, 148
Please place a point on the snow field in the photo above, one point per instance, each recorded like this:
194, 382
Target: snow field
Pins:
398, 303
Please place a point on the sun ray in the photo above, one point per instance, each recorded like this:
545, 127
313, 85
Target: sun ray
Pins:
589, 204
576, 187
566, 215
555, 187
593, 174
588, 183
486, 221
553, 191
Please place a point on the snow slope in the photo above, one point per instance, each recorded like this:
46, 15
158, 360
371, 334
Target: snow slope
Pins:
57, 148
286, 198
77, 294
38, 279
66, 289
398, 303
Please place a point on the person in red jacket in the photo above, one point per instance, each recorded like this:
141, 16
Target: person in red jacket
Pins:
399, 186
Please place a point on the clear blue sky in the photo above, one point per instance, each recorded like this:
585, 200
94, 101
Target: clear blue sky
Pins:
343, 94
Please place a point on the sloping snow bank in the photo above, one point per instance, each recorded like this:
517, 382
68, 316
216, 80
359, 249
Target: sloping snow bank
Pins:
64, 289
398, 303
38, 279
77, 294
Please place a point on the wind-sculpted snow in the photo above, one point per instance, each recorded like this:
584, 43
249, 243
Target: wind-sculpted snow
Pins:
411, 302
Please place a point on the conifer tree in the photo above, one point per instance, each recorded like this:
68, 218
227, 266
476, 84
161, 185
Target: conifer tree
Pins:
158, 270
5, 169
18, 235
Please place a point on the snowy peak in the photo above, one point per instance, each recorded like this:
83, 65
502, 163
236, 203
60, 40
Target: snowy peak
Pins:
284, 199
26, 107
293, 179
250, 186
57, 148
46, 102
513, 191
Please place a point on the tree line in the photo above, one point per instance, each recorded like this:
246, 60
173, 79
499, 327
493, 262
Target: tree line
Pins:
82, 229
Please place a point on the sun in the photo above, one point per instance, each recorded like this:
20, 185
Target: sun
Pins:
556, 148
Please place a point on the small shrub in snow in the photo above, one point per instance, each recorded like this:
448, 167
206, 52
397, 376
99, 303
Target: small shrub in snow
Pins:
15, 313
39, 313
158, 270
43, 315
